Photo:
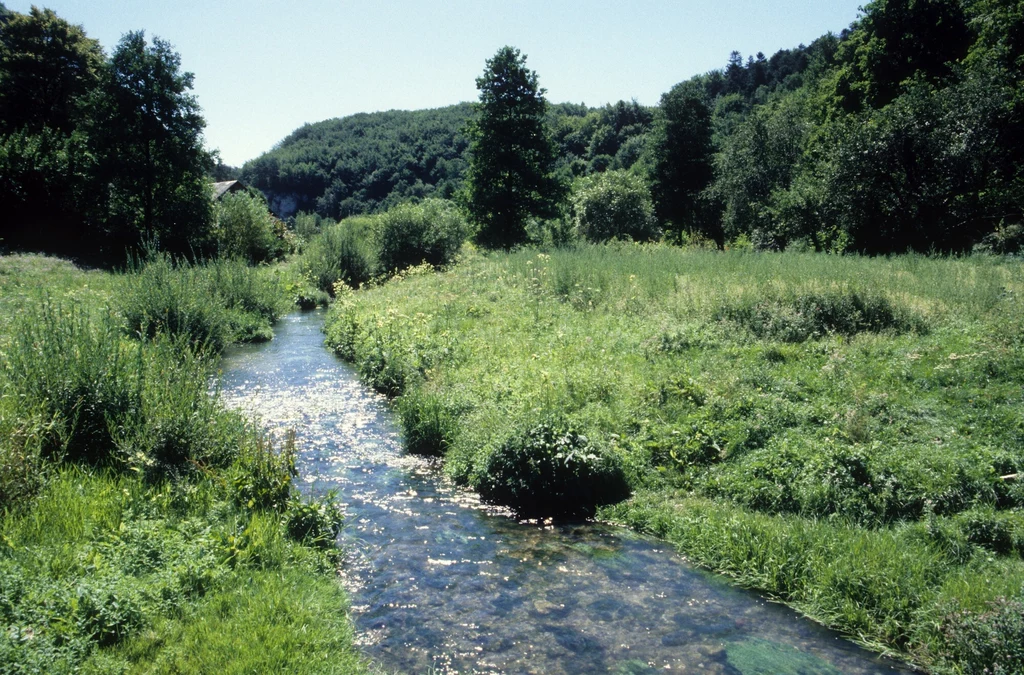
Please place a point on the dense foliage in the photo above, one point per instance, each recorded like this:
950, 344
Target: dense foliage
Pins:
510, 176
613, 205
901, 133
98, 154
364, 163
243, 227
144, 526
430, 232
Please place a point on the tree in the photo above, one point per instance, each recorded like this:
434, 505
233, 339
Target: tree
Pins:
614, 205
49, 70
511, 156
149, 139
683, 152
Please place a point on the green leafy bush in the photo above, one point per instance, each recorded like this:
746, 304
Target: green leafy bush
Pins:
76, 372
341, 252
315, 521
614, 205
409, 234
990, 642
262, 476
221, 301
178, 425
552, 470
244, 227
158, 298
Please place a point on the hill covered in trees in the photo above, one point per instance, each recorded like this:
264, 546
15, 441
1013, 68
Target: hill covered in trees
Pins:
904, 132
369, 162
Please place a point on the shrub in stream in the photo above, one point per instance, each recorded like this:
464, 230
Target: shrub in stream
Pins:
552, 470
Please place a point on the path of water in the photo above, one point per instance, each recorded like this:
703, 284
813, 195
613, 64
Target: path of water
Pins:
439, 581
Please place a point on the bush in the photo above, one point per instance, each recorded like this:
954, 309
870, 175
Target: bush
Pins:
341, 252
212, 304
614, 205
254, 298
262, 477
157, 298
409, 234
990, 642
308, 225
67, 369
429, 421
244, 227
808, 315
178, 425
552, 470
314, 521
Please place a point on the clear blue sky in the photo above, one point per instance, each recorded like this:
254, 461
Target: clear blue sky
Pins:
262, 69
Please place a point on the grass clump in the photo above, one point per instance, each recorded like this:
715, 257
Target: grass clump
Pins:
807, 315
214, 304
837, 432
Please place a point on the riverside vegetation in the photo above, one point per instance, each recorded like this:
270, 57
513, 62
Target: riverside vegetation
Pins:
840, 433
145, 527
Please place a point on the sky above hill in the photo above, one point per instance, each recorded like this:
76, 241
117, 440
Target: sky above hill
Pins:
262, 69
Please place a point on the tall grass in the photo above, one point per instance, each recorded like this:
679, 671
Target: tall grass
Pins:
213, 304
143, 526
848, 412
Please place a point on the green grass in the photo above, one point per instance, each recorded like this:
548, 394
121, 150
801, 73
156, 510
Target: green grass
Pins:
143, 526
830, 430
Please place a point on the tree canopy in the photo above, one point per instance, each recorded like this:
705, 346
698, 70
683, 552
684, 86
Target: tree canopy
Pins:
512, 158
98, 154
149, 134
902, 132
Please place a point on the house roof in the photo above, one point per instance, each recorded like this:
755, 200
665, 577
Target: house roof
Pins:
224, 187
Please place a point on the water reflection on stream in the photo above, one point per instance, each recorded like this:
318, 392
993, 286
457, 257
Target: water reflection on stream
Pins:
439, 580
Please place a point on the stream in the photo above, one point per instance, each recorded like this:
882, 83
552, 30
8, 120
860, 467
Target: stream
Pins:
440, 582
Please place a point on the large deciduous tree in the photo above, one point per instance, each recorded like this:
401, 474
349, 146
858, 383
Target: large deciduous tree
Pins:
511, 175
149, 132
48, 71
683, 153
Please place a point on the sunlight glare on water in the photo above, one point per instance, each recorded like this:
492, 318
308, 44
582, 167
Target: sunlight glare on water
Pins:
438, 580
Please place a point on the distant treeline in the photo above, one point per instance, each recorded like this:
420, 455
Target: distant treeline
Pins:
902, 132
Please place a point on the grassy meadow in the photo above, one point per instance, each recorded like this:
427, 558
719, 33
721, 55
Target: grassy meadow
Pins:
842, 433
143, 526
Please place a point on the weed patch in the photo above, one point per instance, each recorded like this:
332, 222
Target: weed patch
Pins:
805, 316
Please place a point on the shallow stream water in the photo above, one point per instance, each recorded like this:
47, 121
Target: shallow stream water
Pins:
440, 582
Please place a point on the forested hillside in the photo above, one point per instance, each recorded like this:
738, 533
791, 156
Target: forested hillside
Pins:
901, 133
371, 161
